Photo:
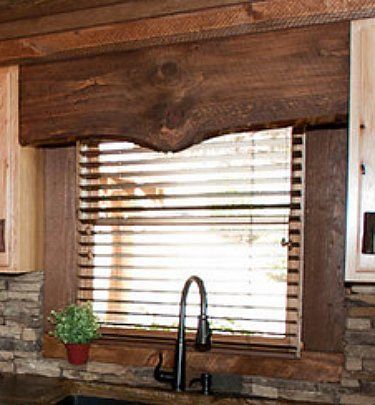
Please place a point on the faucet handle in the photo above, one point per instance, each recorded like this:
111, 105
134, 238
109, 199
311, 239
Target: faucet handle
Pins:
161, 375
205, 381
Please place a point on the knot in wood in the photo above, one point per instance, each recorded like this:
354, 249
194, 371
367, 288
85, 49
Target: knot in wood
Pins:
169, 69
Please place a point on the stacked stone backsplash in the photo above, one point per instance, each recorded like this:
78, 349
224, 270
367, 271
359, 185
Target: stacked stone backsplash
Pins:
358, 378
21, 328
20, 319
21, 331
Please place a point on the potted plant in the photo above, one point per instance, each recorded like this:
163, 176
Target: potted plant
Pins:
76, 326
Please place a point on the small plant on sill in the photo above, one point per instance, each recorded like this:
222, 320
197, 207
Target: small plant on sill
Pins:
76, 326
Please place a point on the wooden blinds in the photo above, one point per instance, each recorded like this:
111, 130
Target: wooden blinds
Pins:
228, 210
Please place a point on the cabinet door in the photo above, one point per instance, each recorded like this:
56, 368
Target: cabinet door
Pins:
21, 187
360, 250
6, 191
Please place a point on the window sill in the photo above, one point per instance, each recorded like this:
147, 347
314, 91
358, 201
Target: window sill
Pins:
312, 366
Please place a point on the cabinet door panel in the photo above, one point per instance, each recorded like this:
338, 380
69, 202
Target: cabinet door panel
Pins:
5, 162
360, 260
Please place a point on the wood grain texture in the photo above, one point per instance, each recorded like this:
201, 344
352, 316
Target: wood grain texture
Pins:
183, 27
319, 367
7, 130
11, 10
323, 294
264, 10
106, 14
277, 13
22, 19
361, 188
143, 23
20, 186
172, 97
30, 209
59, 242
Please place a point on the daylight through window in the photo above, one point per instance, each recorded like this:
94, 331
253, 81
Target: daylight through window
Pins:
228, 210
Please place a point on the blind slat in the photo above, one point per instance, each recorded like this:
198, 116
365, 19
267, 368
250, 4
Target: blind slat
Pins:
212, 173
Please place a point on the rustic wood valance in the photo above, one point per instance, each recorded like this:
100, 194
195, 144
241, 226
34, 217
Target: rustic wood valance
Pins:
171, 97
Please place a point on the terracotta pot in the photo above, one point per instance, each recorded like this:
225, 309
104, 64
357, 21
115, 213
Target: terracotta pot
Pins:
78, 353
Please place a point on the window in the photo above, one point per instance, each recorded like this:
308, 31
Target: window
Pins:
228, 210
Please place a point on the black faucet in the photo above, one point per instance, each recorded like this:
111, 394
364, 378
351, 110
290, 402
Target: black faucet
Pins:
177, 377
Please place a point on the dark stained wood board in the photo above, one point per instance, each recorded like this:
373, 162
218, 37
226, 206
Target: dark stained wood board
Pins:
22, 19
312, 366
13, 10
134, 34
264, 10
107, 13
325, 212
174, 96
59, 244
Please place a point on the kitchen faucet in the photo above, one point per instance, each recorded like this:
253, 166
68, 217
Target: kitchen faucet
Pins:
177, 377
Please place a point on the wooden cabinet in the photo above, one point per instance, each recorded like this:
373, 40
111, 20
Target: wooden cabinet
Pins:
360, 241
21, 199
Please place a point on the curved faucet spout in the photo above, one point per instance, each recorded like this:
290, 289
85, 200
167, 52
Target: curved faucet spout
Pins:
202, 292
202, 342
203, 337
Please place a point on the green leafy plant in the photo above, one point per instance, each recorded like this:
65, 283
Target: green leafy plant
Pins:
75, 324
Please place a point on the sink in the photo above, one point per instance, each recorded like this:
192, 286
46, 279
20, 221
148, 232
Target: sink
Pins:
84, 400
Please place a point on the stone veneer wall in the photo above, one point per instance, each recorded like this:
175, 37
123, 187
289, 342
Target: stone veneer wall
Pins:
21, 326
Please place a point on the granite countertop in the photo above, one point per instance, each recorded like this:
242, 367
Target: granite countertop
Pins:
29, 390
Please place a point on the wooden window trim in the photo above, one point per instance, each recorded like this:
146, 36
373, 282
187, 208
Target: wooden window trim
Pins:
321, 359
219, 340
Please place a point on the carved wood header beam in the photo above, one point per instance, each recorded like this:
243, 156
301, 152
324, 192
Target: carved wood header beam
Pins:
172, 97
126, 26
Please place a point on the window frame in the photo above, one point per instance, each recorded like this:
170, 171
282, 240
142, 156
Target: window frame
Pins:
230, 343
322, 354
